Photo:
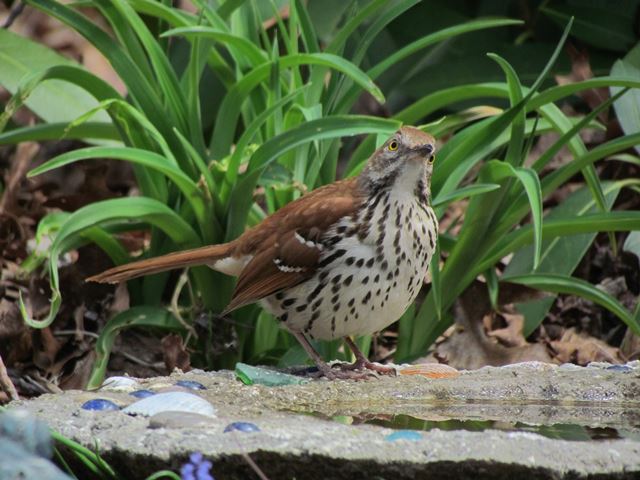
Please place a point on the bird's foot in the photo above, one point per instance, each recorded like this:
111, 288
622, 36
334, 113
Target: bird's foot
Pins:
338, 373
353, 371
341, 371
373, 368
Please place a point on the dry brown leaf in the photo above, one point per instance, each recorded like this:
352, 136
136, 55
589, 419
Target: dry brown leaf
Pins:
46, 348
511, 335
15, 336
11, 325
120, 300
174, 353
467, 345
580, 71
581, 348
630, 347
6, 385
81, 366
466, 349
25, 153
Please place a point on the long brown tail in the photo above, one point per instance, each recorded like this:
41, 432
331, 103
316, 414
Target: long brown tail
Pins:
186, 258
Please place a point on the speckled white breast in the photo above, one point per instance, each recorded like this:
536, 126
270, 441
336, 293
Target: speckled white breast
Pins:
366, 280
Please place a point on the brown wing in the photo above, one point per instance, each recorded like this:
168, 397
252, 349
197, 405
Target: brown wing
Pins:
286, 246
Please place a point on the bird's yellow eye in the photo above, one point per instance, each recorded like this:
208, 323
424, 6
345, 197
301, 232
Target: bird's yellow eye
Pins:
432, 159
393, 145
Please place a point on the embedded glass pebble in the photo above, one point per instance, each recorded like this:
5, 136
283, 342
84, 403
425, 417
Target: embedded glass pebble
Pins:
192, 384
119, 383
620, 368
245, 427
170, 402
570, 366
429, 370
250, 375
411, 435
142, 393
180, 420
100, 404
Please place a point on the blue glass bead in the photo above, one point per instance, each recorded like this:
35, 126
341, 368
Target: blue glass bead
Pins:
403, 435
620, 368
100, 404
142, 393
245, 427
192, 384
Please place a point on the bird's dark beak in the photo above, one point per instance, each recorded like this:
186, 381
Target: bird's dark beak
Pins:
425, 150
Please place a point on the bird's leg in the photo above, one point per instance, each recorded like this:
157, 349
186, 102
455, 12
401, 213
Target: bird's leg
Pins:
324, 368
315, 356
363, 363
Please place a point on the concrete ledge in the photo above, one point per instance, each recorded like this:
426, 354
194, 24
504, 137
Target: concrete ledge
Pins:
292, 443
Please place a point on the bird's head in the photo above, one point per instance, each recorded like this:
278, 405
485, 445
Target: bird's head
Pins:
404, 161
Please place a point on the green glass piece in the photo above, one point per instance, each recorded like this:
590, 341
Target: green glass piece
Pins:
250, 375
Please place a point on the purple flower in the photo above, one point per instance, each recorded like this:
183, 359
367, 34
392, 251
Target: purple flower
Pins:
197, 468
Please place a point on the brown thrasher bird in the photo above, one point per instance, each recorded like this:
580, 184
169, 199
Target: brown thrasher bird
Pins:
346, 259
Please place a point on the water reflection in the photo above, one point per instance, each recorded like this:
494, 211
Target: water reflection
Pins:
557, 431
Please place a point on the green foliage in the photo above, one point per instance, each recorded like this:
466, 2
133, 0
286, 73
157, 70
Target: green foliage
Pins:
628, 109
249, 107
90, 462
142, 316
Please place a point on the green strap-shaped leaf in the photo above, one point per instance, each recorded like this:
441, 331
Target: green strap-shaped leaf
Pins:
421, 44
514, 150
497, 171
553, 94
392, 11
552, 182
531, 183
179, 18
464, 192
175, 17
437, 100
142, 316
307, 30
57, 131
549, 153
228, 7
598, 222
593, 222
114, 210
229, 111
55, 101
166, 76
251, 52
141, 157
140, 85
482, 137
575, 286
337, 44
437, 37
128, 119
70, 74
559, 255
320, 129
248, 135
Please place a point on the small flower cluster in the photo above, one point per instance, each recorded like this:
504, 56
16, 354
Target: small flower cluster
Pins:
197, 468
